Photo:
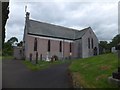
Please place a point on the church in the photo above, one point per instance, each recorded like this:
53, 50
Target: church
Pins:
43, 40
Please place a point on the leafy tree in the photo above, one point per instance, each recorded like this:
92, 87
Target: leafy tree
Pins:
115, 40
104, 47
103, 44
107, 46
12, 40
8, 49
20, 44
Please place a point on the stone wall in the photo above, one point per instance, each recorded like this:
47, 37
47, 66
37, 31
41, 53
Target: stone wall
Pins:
87, 52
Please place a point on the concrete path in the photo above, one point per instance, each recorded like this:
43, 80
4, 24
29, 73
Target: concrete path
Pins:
16, 75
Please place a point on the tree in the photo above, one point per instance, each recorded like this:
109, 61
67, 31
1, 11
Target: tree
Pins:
12, 40
115, 40
104, 47
20, 44
7, 50
103, 44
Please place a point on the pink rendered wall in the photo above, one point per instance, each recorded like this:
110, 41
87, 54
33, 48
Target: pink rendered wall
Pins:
42, 48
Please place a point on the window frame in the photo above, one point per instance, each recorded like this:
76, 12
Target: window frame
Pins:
35, 44
89, 43
70, 47
49, 44
60, 46
92, 42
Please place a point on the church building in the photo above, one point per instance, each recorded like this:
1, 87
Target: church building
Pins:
44, 40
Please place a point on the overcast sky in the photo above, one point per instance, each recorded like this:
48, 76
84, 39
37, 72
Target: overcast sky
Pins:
101, 16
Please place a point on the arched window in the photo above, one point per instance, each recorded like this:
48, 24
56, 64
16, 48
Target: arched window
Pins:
92, 43
89, 43
60, 46
48, 45
35, 44
70, 47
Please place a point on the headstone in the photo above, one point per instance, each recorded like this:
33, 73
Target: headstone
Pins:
47, 57
113, 50
115, 78
116, 75
118, 49
40, 56
36, 57
30, 57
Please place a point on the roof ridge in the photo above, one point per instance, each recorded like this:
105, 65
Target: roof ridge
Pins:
49, 29
84, 29
59, 25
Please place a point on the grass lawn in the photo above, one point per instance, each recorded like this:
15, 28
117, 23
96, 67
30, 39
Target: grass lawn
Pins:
0, 57
93, 72
41, 64
6, 57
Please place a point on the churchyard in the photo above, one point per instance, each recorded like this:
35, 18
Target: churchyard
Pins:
93, 72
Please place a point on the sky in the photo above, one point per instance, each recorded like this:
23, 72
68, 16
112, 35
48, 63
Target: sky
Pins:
100, 15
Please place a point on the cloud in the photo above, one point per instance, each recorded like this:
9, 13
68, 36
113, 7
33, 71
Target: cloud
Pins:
102, 17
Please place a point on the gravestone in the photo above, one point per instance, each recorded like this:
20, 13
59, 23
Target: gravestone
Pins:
113, 50
30, 57
36, 57
115, 78
116, 75
40, 56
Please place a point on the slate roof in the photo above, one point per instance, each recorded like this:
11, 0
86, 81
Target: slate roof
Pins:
49, 30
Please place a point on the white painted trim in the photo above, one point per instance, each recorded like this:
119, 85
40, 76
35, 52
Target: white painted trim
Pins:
51, 38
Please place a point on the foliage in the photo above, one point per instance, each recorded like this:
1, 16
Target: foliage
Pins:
12, 40
7, 57
20, 43
41, 64
35, 67
93, 72
115, 40
107, 46
103, 44
0, 52
54, 58
7, 49
104, 47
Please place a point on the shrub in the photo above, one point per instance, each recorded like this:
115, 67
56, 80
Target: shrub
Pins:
54, 58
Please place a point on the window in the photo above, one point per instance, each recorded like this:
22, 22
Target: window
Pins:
92, 43
70, 47
60, 46
35, 44
48, 45
89, 43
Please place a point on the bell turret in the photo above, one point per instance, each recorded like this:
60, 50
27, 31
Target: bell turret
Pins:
27, 15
